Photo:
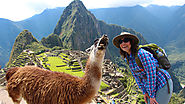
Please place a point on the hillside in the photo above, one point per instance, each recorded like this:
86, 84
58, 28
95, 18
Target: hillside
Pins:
22, 40
8, 33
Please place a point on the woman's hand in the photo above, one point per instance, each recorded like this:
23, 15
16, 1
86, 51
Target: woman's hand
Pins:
153, 101
145, 97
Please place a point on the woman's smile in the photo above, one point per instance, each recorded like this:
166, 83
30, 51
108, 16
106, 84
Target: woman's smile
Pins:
126, 47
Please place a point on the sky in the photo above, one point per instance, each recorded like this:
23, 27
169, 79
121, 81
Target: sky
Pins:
17, 10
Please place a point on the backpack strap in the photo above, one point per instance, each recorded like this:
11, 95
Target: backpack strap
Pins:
138, 62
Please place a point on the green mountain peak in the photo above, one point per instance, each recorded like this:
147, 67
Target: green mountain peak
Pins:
76, 27
22, 40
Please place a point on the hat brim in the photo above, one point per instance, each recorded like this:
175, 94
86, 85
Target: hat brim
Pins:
117, 38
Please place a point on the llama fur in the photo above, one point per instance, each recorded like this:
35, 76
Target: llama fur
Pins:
40, 86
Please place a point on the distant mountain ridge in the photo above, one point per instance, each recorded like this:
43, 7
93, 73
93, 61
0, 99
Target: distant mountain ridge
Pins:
41, 25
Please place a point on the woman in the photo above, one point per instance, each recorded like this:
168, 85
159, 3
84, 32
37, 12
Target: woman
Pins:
153, 83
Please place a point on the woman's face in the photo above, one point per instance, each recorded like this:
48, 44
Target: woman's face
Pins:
125, 45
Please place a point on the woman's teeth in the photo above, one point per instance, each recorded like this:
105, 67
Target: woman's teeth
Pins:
124, 46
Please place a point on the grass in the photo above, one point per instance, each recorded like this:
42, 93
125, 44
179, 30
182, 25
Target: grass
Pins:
56, 61
103, 85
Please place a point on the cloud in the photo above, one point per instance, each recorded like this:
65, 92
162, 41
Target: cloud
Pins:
14, 9
17, 10
168, 2
21, 9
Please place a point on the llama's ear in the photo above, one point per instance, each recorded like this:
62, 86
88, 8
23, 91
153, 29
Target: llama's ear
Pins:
88, 50
96, 40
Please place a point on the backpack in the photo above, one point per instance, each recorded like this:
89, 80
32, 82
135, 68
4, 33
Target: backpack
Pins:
158, 53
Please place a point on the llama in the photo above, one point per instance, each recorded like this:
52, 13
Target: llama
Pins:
38, 86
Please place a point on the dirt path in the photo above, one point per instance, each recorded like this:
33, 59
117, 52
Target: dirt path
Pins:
5, 99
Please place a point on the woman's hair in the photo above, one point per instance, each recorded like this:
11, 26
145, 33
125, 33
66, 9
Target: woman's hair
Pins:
134, 48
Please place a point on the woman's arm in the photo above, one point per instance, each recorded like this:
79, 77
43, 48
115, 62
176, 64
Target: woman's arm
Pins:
149, 65
139, 83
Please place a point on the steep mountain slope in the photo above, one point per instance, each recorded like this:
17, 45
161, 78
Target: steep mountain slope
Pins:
177, 33
74, 25
78, 27
23, 39
8, 33
137, 18
51, 41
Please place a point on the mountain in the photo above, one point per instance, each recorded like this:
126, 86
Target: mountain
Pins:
78, 28
51, 41
74, 25
162, 12
41, 25
178, 28
8, 33
154, 22
136, 17
158, 24
22, 40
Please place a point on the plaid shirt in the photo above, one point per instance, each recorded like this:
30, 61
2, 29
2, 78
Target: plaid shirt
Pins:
149, 80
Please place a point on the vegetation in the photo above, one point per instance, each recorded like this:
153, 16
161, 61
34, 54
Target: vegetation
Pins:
23, 39
177, 58
175, 99
51, 41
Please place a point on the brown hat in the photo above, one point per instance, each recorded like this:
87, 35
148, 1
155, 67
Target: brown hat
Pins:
122, 35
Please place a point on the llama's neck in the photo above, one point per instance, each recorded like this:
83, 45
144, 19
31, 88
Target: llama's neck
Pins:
93, 70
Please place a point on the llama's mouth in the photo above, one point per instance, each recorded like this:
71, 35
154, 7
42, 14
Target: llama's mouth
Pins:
103, 42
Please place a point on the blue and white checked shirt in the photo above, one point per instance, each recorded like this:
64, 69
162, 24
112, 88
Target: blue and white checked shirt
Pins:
149, 80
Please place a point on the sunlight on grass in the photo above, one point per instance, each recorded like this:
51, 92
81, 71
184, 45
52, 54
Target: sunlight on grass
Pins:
103, 85
53, 62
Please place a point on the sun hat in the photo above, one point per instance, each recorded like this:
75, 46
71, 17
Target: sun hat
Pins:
123, 35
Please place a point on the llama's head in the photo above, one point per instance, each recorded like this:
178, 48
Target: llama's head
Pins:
99, 46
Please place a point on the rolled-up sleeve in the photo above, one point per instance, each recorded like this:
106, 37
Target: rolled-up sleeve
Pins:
150, 69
